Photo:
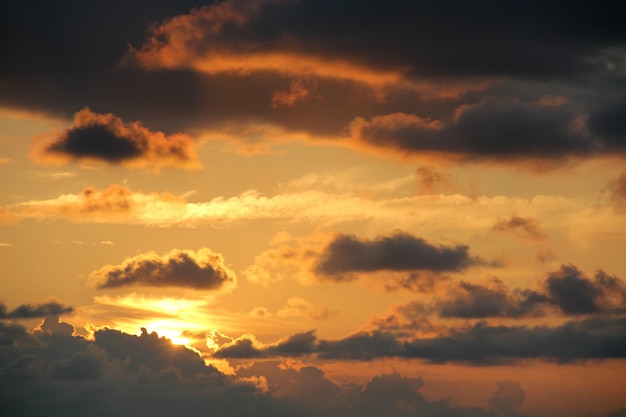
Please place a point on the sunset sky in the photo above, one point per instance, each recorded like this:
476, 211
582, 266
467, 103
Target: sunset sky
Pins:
312, 208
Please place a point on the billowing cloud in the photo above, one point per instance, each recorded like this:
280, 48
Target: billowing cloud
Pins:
567, 291
478, 301
401, 251
35, 310
574, 293
106, 138
201, 270
524, 227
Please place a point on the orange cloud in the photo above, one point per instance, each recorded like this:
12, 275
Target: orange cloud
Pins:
105, 138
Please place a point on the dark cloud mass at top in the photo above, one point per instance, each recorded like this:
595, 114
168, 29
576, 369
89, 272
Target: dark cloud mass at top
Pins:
115, 373
485, 80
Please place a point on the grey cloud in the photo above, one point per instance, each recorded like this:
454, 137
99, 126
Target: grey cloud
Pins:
35, 310
477, 301
348, 254
575, 293
203, 269
493, 129
145, 375
576, 54
568, 290
481, 344
597, 338
106, 138
298, 344
242, 348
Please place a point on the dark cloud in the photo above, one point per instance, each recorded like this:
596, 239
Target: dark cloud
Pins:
574, 293
567, 290
35, 310
348, 254
203, 270
492, 129
296, 345
435, 78
106, 138
524, 227
242, 348
146, 375
495, 300
481, 344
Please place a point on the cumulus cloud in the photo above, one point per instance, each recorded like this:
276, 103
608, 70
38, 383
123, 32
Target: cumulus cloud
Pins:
574, 293
567, 291
401, 251
494, 300
106, 138
35, 310
201, 270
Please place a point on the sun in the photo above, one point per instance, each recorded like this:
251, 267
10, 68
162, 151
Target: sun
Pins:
170, 330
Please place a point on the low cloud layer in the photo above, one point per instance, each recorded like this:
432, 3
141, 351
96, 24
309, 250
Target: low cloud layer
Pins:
57, 374
106, 138
201, 270
35, 310
480, 344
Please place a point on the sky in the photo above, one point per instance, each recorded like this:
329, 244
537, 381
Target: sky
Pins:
312, 208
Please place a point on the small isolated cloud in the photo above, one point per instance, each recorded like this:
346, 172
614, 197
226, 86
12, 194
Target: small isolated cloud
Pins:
105, 138
400, 251
523, 227
431, 180
299, 307
617, 192
202, 270
35, 310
